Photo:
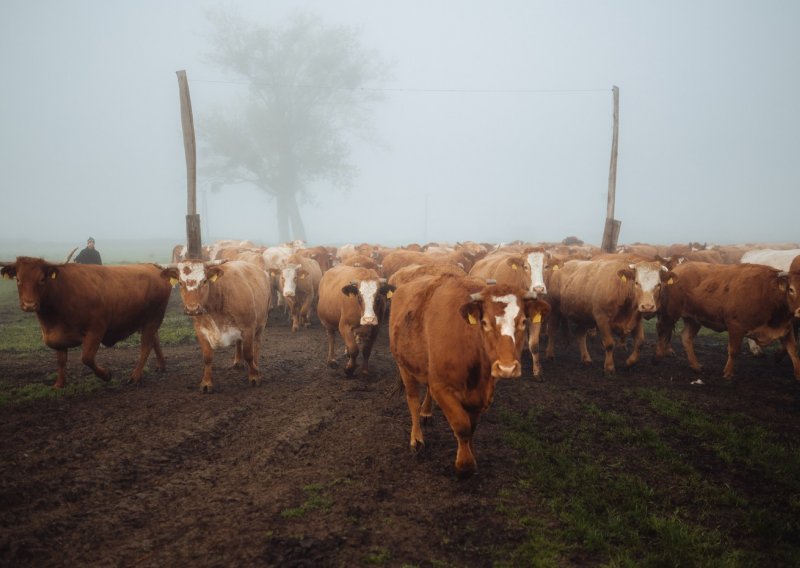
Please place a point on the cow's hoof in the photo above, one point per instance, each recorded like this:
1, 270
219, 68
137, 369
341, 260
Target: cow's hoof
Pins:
349, 371
333, 363
466, 471
207, 389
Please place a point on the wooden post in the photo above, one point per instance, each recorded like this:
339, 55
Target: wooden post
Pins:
193, 238
612, 226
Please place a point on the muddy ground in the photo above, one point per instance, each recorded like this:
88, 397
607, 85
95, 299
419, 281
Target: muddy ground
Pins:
309, 469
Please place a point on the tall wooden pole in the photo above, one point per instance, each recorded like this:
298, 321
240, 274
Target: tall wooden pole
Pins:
612, 226
193, 240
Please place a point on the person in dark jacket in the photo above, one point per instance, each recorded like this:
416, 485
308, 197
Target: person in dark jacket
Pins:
89, 255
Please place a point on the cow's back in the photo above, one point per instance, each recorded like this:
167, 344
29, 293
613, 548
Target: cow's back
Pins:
242, 294
496, 267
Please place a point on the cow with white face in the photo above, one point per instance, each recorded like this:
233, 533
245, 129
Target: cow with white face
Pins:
299, 285
228, 303
352, 301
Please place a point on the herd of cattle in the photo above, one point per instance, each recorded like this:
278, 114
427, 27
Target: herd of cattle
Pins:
458, 315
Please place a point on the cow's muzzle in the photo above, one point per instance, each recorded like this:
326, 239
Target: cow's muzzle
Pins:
193, 310
369, 320
29, 306
505, 371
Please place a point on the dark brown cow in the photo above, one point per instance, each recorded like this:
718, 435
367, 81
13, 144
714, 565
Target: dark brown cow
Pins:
83, 304
229, 303
352, 301
610, 295
746, 300
457, 336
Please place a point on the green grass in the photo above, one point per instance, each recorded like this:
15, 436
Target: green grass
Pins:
316, 499
621, 491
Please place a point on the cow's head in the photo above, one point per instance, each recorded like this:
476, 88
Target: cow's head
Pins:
290, 275
536, 261
790, 283
194, 278
502, 312
372, 295
648, 278
33, 276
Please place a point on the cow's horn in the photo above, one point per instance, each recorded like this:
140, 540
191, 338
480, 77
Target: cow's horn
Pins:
476, 297
783, 274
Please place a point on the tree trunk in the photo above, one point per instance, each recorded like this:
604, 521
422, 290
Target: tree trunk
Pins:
282, 216
298, 228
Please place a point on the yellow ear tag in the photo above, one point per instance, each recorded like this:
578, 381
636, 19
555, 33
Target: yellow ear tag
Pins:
623, 279
173, 282
514, 267
53, 276
555, 267
471, 319
537, 318
670, 282
214, 278
389, 295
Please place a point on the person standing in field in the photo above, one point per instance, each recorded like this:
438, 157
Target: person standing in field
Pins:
89, 255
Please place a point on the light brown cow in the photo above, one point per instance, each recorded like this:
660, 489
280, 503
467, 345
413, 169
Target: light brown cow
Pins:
414, 271
352, 301
229, 303
610, 295
299, 284
746, 300
86, 305
457, 336
363, 261
397, 259
323, 256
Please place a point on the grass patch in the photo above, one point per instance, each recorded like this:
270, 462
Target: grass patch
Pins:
10, 395
620, 494
316, 500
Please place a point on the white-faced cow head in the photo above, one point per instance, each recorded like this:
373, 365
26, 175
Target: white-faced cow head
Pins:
536, 261
372, 295
194, 278
33, 276
290, 275
502, 312
648, 278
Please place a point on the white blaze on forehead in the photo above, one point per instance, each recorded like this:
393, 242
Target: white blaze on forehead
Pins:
648, 277
506, 322
290, 279
191, 274
368, 289
536, 260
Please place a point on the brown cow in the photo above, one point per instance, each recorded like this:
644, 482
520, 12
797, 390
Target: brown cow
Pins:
321, 254
457, 336
414, 271
352, 300
229, 303
524, 270
83, 304
610, 295
397, 259
746, 300
299, 284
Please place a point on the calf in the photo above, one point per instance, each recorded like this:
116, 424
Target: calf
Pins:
352, 301
228, 303
86, 305
457, 336
746, 300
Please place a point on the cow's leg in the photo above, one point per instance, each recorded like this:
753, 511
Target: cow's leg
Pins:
412, 399
331, 333
607, 338
553, 321
237, 355
366, 349
462, 426
426, 410
61, 360
690, 329
580, 335
149, 343
351, 348
206, 384
638, 340
534, 332
249, 354
735, 337
789, 344
664, 329
161, 363
91, 343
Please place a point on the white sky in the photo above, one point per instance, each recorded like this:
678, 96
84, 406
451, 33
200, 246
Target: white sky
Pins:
709, 150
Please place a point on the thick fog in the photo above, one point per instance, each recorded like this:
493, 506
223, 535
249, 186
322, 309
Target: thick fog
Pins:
496, 123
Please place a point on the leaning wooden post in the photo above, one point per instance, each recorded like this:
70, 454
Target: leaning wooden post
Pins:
193, 240
612, 226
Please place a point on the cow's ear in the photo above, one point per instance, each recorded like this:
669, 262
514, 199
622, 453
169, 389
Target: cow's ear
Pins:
472, 311
513, 263
350, 290
50, 272
213, 273
387, 290
301, 273
170, 274
9, 272
783, 281
274, 271
626, 274
535, 309
669, 278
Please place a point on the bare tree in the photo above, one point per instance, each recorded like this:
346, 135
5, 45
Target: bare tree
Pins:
311, 90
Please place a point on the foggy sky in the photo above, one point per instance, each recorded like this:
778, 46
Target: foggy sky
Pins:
496, 126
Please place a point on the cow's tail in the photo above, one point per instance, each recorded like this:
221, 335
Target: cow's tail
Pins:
69, 256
